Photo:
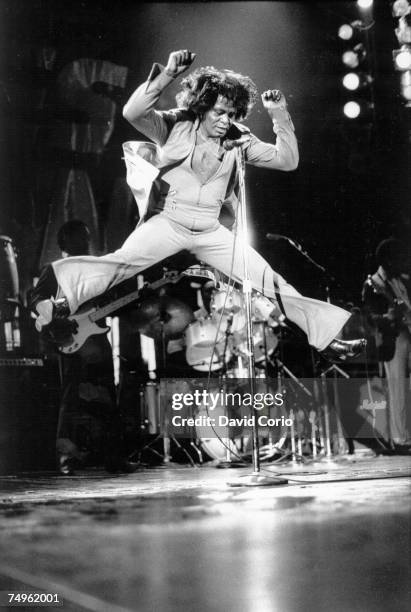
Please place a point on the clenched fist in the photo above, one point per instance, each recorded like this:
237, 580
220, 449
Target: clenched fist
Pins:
273, 98
179, 61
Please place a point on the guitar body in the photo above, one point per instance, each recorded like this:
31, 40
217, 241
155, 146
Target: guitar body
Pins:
85, 328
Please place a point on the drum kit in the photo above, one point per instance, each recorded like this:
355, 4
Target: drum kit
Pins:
214, 341
214, 338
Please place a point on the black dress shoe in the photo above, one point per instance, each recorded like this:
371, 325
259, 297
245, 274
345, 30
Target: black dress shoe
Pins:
339, 350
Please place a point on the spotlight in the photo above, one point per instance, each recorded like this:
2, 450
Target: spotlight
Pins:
365, 4
355, 80
402, 58
351, 81
345, 32
353, 57
352, 109
348, 30
406, 85
401, 8
403, 32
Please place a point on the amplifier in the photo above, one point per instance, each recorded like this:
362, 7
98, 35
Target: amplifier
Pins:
35, 362
29, 401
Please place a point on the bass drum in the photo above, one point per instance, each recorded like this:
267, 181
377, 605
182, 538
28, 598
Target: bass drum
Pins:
221, 450
199, 358
220, 442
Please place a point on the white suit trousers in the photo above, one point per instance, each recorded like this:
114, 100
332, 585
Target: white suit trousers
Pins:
84, 277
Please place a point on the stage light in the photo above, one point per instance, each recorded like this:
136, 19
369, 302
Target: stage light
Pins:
403, 32
353, 57
406, 85
365, 4
356, 80
348, 30
402, 58
401, 8
345, 32
351, 81
350, 59
352, 109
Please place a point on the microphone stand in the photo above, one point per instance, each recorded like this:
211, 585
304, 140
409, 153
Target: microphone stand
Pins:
334, 368
255, 479
327, 276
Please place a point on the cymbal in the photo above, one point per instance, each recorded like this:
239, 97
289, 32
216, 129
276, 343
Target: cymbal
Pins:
159, 317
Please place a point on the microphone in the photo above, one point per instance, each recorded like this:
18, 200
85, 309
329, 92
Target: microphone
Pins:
229, 145
276, 237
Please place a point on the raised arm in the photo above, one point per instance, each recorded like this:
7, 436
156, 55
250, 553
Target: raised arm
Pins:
283, 155
140, 111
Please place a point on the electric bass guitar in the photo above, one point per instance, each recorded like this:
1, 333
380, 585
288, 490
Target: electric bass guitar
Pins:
83, 324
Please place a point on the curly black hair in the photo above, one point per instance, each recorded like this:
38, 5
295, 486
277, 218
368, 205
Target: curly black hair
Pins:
73, 237
201, 88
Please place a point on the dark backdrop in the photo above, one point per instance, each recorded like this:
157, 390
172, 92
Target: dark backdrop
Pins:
351, 188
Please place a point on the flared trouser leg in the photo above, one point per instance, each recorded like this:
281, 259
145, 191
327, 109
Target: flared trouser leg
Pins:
321, 321
84, 277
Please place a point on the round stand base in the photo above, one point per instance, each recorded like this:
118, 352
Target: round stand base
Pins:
257, 480
224, 465
325, 459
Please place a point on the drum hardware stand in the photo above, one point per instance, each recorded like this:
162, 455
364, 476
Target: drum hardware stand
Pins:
198, 451
296, 450
326, 412
342, 447
227, 334
254, 479
167, 438
229, 462
313, 418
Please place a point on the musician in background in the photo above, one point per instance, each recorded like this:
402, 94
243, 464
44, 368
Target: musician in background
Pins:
386, 295
88, 376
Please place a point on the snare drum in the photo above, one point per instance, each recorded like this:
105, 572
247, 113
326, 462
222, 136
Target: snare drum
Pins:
228, 301
225, 303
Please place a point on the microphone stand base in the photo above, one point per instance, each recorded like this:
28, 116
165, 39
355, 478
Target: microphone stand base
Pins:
232, 464
257, 480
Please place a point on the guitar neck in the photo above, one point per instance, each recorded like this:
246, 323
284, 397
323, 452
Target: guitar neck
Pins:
105, 311
173, 277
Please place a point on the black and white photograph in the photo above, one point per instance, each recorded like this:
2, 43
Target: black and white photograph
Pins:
205, 305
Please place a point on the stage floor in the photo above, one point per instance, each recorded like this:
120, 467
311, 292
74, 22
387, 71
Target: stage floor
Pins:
336, 537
